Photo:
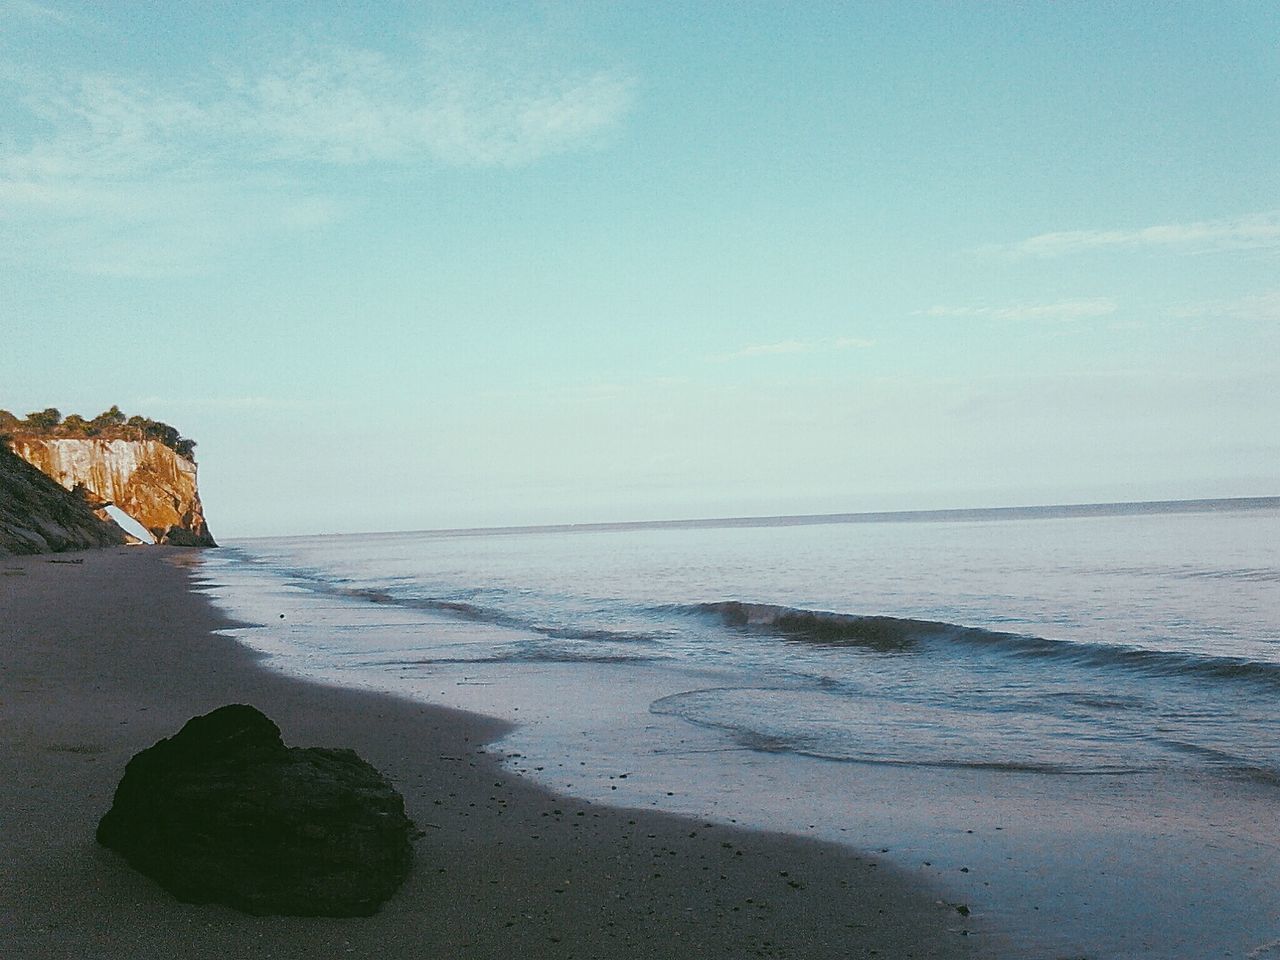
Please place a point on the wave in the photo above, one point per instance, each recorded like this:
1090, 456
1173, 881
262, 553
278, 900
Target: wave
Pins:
519, 656
921, 737
1227, 762
898, 634
882, 634
459, 608
465, 610
1247, 574
821, 626
1244, 574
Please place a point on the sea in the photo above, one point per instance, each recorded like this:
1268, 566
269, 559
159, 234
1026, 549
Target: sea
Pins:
1064, 719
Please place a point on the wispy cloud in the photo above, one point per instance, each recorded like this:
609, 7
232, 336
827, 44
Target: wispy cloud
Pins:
197, 165
1062, 310
334, 105
171, 226
1256, 307
783, 347
344, 106
1247, 232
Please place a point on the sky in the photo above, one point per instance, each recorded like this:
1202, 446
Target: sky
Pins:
406, 265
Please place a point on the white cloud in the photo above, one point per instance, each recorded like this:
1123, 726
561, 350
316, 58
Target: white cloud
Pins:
1061, 310
123, 174
334, 105
1248, 232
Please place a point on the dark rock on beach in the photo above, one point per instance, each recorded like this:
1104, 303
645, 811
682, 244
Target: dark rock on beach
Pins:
224, 812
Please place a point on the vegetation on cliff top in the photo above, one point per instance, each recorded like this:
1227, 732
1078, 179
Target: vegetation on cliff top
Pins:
111, 424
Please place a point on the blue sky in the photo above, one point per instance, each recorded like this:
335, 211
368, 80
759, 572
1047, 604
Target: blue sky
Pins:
448, 266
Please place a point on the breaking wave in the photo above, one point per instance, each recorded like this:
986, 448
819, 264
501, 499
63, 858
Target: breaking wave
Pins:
820, 626
882, 634
896, 634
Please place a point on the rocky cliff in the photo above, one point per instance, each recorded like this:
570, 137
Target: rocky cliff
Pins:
39, 516
148, 480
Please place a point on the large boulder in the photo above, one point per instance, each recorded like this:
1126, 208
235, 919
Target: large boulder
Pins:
224, 812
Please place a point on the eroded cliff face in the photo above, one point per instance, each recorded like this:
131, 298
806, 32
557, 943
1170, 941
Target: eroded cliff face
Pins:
39, 516
144, 478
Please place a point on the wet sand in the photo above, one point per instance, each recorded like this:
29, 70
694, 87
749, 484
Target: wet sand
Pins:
103, 657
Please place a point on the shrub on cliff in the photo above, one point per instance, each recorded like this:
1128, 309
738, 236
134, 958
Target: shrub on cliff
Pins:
111, 424
107, 419
8, 423
47, 419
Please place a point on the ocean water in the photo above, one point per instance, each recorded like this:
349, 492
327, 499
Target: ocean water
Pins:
1038, 710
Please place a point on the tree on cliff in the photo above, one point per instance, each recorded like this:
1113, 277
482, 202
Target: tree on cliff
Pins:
109, 418
45, 419
111, 424
156, 430
75, 425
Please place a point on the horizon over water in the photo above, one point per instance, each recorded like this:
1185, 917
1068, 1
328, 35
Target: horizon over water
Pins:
1040, 710
1031, 511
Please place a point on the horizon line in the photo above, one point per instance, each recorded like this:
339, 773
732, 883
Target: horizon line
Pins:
1027, 512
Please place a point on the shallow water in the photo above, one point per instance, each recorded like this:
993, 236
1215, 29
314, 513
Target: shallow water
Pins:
1091, 696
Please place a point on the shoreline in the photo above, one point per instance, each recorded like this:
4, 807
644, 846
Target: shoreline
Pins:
1159, 862
103, 658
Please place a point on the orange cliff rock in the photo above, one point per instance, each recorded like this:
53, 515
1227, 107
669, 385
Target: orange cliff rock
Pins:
146, 479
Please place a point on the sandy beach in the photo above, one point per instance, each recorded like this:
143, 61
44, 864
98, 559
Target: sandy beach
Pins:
104, 652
